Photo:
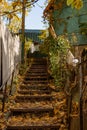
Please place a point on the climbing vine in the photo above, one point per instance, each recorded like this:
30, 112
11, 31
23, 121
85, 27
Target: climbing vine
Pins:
83, 28
57, 51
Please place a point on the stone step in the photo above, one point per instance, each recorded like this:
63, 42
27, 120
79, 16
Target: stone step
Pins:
42, 126
40, 59
31, 92
38, 78
35, 82
37, 71
39, 66
28, 98
35, 87
39, 63
33, 110
35, 74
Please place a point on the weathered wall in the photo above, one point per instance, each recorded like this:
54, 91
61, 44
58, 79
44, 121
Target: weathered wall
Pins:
69, 20
0, 64
77, 50
10, 51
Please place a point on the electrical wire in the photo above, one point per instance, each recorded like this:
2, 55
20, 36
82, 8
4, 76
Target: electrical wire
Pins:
39, 6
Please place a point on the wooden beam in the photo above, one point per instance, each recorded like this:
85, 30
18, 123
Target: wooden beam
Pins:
48, 7
52, 31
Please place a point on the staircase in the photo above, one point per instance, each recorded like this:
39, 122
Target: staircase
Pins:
34, 102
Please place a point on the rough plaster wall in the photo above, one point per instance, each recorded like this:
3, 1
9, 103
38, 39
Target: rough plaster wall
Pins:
17, 49
5, 55
0, 52
11, 52
0, 61
68, 20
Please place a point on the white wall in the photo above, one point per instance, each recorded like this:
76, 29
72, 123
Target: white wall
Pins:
11, 51
0, 63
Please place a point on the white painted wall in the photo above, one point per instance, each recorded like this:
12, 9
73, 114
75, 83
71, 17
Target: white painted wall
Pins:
11, 51
0, 62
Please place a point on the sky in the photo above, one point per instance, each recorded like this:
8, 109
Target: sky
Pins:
34, 19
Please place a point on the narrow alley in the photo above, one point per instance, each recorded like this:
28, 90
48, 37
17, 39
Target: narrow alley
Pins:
43, 64
37, 106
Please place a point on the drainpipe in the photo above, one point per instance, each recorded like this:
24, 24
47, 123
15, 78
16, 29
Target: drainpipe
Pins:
1, 56
23, 31
80, 90
0, 62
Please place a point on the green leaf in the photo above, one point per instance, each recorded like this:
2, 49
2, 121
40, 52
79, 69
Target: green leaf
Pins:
69, 2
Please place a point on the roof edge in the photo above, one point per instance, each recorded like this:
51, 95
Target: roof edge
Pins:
47, 8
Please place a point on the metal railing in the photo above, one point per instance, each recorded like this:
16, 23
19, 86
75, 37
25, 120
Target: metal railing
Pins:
70, 93
3, 87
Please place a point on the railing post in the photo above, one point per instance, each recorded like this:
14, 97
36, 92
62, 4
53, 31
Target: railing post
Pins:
4, 97
11, 83
69, 110
81, 101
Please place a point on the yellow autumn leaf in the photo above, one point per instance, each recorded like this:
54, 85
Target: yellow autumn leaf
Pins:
16, 4
10, 16
73, 4
69, 2
56, 111
79, 4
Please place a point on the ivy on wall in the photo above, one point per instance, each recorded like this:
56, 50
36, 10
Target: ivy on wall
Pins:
57, 54
83, 28
57, 51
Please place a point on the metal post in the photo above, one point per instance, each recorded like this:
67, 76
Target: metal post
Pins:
23, 31
11, 83
4, 97
1, 61
81, 101
1, 56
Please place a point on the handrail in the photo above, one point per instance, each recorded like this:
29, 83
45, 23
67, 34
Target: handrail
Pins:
4, 86
9, 76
